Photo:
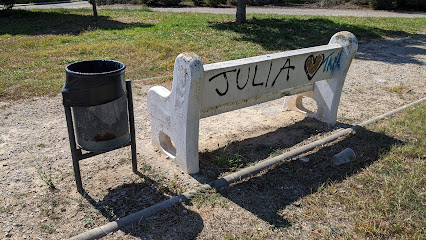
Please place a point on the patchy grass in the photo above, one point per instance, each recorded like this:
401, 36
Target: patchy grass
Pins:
36, 45
398, 89
276, 152
229, 160
210, 197
46, 177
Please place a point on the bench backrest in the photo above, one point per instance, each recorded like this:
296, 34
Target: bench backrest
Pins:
244, 82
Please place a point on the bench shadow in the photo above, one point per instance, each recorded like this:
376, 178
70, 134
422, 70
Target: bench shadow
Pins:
275, 34
266, 194
61, 21
130, 198
252, 150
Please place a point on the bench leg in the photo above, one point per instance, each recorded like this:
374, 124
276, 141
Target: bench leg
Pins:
327, 97
175, 115
327, 93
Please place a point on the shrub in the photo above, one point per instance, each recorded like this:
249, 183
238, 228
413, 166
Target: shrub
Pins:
170, 2
382, 4
110, 2
198, 2
231, 2
360, 2
215, 3
398, 4
258, 2
7, 3
413, 4
330, 3
147, 2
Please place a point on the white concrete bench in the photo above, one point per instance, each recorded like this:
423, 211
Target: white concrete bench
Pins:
200, 91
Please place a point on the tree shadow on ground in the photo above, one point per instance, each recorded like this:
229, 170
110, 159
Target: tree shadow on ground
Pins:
126, 199
266, 194
277, 34
58, 22
395, 51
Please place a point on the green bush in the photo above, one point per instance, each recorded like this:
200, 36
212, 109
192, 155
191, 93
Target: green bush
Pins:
398, 4
258, 2
147, 2
382, 4
330, 3
209, 3
360, 2
214, 3
110, 2
7, 4
33, 1
198, 2
413, 4
170, 2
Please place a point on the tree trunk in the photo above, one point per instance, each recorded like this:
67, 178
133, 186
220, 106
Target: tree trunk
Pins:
241, 11
95, 11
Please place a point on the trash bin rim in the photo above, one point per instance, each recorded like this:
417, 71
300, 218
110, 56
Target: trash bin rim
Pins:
123, 66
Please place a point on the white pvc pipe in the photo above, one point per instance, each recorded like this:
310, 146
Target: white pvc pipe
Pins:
222, 182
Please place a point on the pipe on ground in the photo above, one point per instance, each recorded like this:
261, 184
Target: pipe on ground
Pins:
222, 182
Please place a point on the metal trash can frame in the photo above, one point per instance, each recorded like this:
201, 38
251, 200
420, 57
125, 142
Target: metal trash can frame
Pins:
93, 95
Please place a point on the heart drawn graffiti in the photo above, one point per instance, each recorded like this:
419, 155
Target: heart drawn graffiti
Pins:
312, 64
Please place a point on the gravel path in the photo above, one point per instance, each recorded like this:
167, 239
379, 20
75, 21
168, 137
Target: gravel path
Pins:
250, 10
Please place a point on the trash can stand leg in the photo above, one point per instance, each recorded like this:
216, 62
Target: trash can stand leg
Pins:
132, 125
75, 153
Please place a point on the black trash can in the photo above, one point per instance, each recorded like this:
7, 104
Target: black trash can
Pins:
96, 92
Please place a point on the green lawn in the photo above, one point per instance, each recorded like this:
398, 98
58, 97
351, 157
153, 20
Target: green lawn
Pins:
36, 45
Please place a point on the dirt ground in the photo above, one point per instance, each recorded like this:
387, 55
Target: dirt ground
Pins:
35, 154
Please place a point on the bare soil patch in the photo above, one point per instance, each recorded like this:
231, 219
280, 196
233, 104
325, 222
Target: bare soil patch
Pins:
34, 150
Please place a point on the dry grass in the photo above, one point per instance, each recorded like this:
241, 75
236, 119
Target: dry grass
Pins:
385, 200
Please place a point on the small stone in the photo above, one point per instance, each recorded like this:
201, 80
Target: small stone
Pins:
185, 211
380, 78
304, 159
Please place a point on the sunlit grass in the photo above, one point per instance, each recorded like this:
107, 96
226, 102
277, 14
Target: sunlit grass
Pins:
36, 45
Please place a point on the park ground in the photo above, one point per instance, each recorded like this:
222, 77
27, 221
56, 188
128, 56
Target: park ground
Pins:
380, 195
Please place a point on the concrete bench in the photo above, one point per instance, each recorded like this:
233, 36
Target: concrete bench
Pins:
200, 91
